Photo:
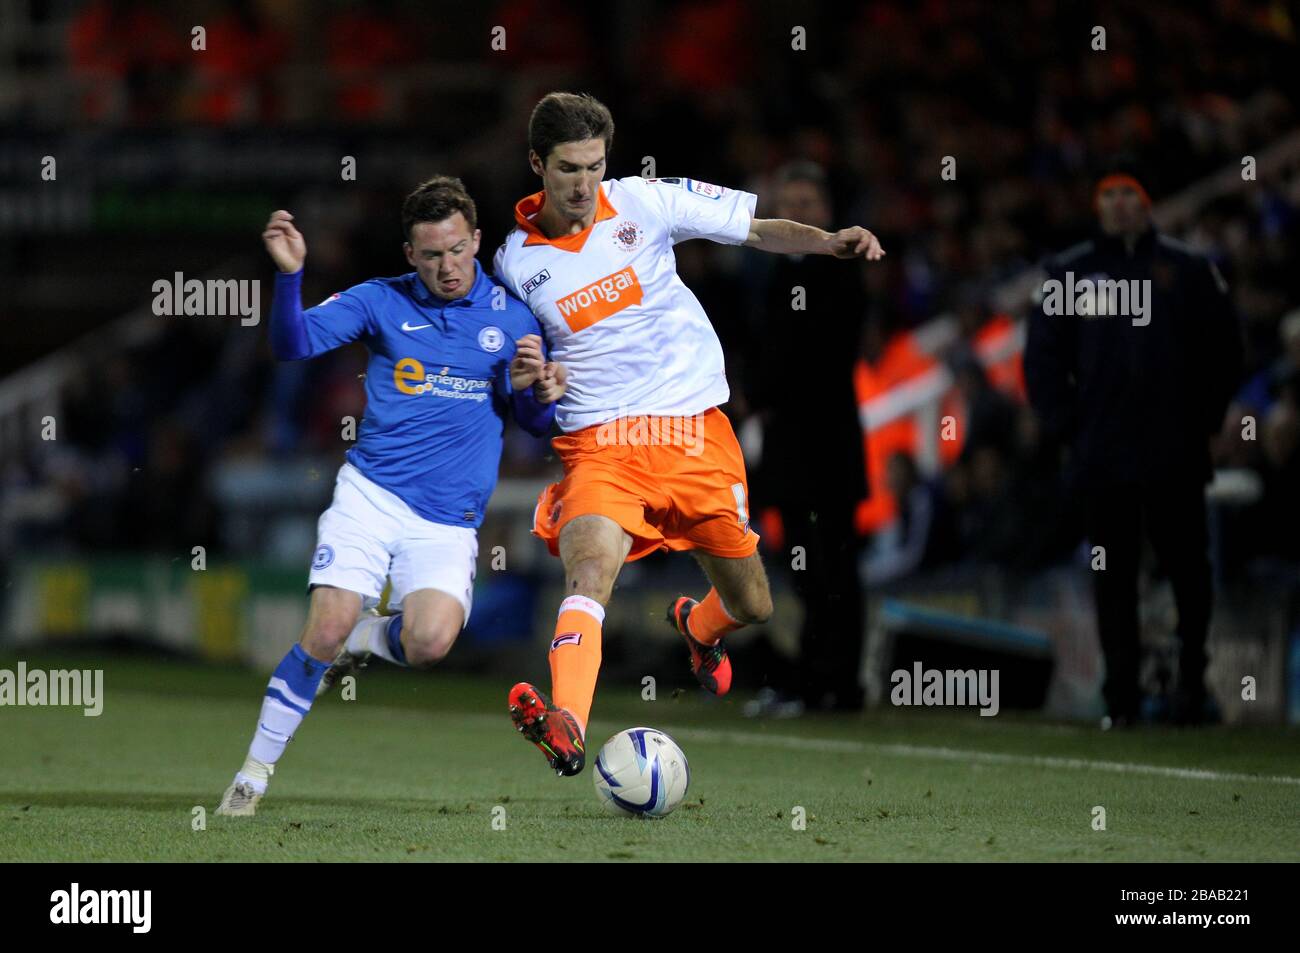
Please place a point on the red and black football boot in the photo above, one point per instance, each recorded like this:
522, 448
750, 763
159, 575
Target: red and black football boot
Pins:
709, 663
554, 730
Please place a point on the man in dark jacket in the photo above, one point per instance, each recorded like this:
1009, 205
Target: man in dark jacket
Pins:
813, 467
1132, 356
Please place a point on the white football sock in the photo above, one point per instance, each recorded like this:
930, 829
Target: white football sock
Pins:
288, 698
371, 635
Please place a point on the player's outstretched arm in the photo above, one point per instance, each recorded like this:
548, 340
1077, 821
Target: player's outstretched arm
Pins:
287, 248
298, 334
781, 236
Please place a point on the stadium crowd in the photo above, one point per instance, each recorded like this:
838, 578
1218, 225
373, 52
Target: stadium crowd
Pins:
1016, 94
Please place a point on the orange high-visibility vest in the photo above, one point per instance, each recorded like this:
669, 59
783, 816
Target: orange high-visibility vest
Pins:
900, 360
1000, 349
1002, 353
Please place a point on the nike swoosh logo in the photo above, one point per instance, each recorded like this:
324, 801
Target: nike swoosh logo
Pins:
407, 327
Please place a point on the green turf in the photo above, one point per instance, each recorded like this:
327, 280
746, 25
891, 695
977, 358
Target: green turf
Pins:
413, 769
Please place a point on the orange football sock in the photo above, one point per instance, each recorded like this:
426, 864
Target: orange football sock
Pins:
710, 620
575, 656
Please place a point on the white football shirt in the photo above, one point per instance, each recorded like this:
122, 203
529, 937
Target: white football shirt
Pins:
630, 333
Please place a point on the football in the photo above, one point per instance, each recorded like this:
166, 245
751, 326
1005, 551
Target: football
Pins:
641, 772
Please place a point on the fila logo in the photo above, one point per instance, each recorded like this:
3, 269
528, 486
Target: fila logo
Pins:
600, 299
568, 638
536, 281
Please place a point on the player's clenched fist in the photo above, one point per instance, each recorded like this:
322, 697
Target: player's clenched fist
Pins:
284, 243
527, 366
554, 381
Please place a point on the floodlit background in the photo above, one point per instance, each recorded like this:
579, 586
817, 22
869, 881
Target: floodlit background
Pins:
171, 432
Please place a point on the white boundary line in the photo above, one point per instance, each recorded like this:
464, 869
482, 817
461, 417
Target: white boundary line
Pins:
970, 756
793, 742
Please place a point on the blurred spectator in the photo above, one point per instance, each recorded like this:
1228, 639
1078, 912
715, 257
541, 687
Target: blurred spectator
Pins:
812, 467
990, 414
1261, 391
1279, 509
921, 536
1136, 393
1011, 94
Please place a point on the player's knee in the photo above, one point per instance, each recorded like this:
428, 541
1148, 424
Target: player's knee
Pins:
592, 577
428, 644
324, 636
755, 608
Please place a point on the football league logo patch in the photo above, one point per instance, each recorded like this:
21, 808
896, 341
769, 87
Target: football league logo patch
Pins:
705, 189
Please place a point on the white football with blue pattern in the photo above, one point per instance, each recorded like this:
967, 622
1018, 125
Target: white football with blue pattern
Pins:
641, 772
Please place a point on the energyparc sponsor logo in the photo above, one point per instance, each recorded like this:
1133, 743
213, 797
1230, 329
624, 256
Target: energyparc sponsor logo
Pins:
598, 300
410, 377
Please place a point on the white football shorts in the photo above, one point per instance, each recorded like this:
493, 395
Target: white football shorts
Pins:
369, 534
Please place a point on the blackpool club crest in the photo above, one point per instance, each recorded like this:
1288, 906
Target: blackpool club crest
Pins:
628, 235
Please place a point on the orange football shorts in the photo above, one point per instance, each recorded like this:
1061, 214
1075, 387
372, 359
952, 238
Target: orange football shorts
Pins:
671, 482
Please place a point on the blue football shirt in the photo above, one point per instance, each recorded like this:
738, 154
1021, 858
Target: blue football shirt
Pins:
437, 386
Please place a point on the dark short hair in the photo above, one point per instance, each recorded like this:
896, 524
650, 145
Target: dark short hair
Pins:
568, 117
437, 199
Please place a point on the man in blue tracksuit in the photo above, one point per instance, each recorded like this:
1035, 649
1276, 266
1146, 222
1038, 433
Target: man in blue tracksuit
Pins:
451, 353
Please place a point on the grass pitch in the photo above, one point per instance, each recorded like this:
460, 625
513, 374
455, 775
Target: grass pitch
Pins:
414, 768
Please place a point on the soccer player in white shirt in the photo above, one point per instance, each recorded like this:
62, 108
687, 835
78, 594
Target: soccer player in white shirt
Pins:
649, 460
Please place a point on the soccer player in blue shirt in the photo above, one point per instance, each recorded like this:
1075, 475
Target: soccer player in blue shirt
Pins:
451, 353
